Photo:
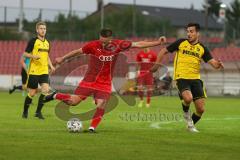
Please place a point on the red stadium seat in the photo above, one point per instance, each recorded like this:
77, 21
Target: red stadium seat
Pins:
11, 51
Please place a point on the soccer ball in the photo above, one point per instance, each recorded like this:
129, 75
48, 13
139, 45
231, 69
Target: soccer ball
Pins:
74, 125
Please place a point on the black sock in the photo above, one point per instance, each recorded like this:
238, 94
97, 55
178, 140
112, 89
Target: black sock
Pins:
185, 108
28, 101
195, 118
18, 87
40, 103
12, 90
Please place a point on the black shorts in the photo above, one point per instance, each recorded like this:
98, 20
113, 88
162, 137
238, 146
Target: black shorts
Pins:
24, 76
34, 80
194, 85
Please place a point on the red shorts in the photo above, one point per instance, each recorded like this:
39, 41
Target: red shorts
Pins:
145, 79
85, 92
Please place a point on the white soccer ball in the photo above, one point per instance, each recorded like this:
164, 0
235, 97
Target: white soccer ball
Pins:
74, 125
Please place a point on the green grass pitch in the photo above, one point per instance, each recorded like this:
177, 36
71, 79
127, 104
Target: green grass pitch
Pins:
121, 135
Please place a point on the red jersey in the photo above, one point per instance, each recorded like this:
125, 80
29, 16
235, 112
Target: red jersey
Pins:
101, 63
146, 60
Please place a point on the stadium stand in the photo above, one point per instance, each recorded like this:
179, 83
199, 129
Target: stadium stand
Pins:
216, 82
11, 51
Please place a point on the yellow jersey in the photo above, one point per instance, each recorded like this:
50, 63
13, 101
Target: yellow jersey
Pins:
188, 58
41, 48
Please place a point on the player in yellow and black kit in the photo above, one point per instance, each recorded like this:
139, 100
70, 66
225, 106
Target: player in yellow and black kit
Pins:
189, 53
38, 51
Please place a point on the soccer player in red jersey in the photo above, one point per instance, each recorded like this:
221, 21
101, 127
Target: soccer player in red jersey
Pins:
98, 78
145, 59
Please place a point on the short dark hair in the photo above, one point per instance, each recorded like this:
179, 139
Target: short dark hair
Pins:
196, 25
106, 32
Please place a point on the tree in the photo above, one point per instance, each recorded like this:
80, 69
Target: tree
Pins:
121, 22
233, 20
212, 7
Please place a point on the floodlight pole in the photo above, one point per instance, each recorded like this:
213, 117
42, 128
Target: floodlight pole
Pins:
134, 19
206, 17
222, 15
102, 14
70, 8
20, 23
5, 16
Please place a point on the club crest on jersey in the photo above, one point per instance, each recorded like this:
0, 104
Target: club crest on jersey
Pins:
106, 58
110, 46
125, 45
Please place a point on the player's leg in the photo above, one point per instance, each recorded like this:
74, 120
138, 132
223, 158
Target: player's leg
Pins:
98, 115
28, 101
67, 98
20, 87
199, 105
199, 96
44, 83
32, 84
140, 88
44, 91
149, 84
24, 79
187, 99
102, 98
149, 94
80, 94
140, 94
15, 88
185, 94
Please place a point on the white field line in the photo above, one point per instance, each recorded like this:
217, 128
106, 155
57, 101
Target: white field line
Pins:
158, 125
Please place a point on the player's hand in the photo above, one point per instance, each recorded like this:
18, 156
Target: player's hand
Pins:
59, 60
162, 39
53, 69
220, 64
36, 57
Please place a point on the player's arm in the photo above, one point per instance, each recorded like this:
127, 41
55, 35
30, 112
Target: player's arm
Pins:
23, 64
171, 48
51, 65
207, 57
160, 56
217, 64
145, 44
69, 55
29, 49
29, 55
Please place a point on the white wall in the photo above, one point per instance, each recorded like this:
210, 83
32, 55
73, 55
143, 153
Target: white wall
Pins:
216, 83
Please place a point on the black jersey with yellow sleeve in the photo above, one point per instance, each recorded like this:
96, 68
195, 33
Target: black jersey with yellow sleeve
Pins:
41, 48
188, 58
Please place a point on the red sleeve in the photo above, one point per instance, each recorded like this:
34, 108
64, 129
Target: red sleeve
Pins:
88, 48
124, 45
154, 56
138, 58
